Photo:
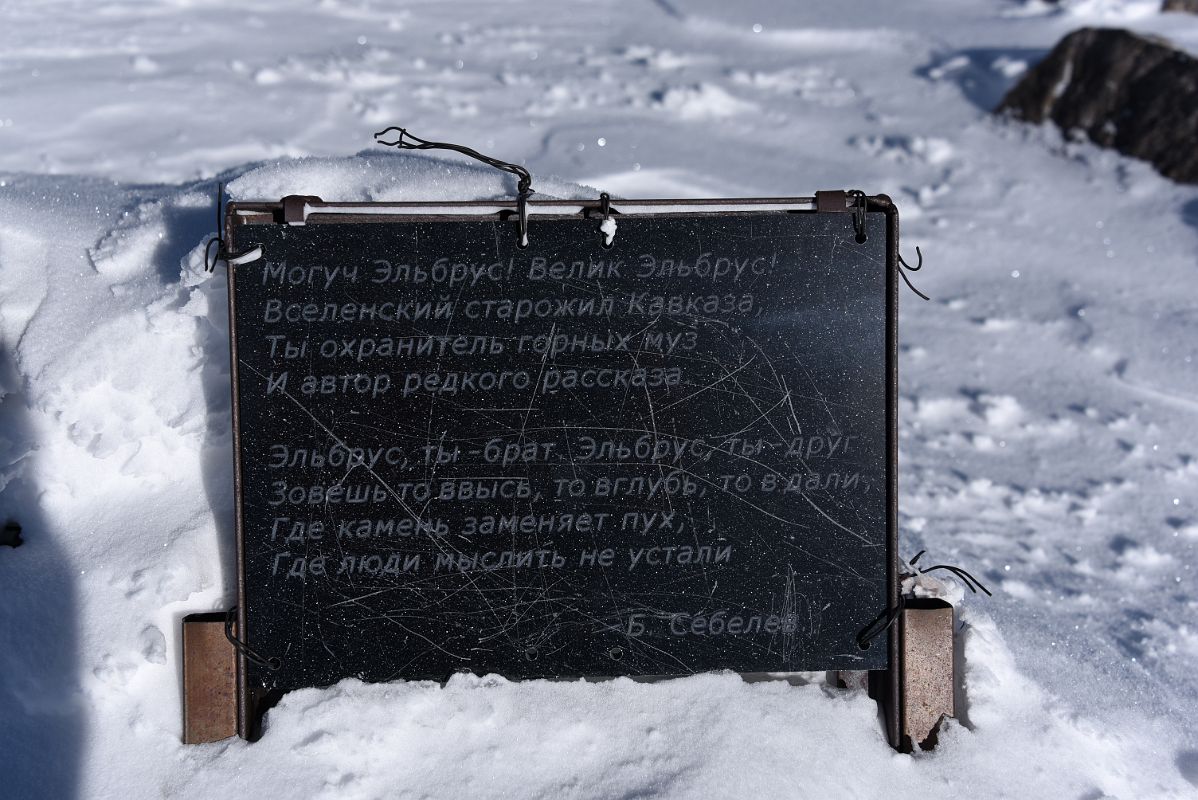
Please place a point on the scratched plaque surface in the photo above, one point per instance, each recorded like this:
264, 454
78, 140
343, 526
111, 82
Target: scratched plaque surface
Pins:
661, 458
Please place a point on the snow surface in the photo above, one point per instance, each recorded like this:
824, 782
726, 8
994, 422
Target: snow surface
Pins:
1049, 392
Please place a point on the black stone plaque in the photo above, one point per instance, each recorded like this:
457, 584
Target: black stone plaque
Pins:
661, 458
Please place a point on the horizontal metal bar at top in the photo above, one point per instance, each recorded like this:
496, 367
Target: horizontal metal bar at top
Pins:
559, 207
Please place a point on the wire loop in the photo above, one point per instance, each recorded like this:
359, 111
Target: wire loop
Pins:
222, 253
210, 265
524, 179
903, 265
881, 623
886, 619
408, 141
965, 577
209, 262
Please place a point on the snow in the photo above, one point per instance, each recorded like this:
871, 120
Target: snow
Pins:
608, 229
1047, 401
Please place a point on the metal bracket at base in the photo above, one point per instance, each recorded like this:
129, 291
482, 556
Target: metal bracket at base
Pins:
928, 674
923, 695
925, 666
209, 680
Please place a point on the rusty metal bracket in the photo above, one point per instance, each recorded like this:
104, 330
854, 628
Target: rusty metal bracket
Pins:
918, 692
295, 208
209, 680
832, 202
928, 674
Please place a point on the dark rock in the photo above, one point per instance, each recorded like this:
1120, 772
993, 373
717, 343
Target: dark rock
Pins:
10, 535
1190, 6
1134, 93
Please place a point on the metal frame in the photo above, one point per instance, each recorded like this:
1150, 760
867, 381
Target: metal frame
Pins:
892, 696
886, 686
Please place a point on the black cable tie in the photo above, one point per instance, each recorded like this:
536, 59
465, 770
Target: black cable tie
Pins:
250, 654
407, 141
209, 262
210, 265
860, 205
965, 577
222, 253
886, 619
524, 179
881, 623
903, 265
